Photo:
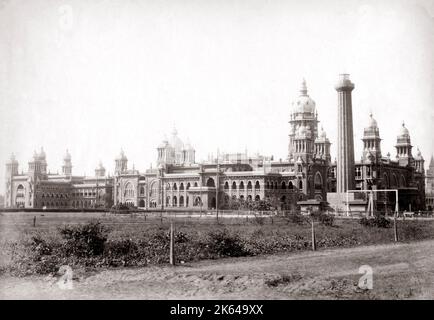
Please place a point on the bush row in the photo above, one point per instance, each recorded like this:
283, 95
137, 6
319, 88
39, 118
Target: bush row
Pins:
89, 245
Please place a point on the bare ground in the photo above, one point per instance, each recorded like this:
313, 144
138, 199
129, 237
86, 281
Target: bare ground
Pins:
400, 271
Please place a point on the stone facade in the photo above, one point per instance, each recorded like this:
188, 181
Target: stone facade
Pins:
38, 188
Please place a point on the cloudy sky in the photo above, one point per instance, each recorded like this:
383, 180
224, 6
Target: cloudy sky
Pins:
97, 76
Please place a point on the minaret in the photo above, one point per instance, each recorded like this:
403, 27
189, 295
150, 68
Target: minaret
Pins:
67, 165
345, 155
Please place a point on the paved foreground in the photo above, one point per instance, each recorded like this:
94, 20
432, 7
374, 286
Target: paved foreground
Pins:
402, 271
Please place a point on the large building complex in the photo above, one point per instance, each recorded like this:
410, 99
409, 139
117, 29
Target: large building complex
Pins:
180, 182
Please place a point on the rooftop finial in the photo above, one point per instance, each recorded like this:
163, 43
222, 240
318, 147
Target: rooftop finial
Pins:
303, 89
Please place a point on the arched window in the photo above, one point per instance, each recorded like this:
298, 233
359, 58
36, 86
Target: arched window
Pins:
197, 202
249, 197
174, 201
195, 184
181, 188
241, 185
249, 185
129, 190
210, 182
181, 201
318, 181
290, 185
142, 203
142, 190
226, 186
188, 186
300, 184
175, 186
234, 186
154, 189
257, 186
283, 185
257, 198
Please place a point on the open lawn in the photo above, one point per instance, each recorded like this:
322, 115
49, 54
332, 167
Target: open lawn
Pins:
286, 266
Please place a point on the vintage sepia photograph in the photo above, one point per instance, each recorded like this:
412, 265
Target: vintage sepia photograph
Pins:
229, 150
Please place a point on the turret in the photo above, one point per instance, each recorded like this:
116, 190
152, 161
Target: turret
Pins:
419, 162
371, 142
67, 165
12, 166
403, 147
322, 147
121, 163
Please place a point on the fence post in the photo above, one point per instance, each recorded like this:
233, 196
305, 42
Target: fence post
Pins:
34, 221
395, 228
313, 237
172, 242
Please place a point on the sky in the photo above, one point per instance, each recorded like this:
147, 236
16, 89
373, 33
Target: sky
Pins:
97, 76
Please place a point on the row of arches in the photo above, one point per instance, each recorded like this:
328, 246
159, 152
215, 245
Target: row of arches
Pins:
393, 181
182, 187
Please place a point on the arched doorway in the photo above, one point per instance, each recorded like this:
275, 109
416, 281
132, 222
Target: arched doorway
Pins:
142, 203
213, 203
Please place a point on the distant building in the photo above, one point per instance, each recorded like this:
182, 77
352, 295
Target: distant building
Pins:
430, 185
38, 188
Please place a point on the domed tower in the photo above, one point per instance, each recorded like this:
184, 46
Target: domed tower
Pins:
403, 147
38, 166
67, 165
121, 163
188, 154
322, 147
419, 162
100, 170
304, 127
371, 141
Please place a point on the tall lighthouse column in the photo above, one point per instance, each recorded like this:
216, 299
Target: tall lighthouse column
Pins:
345, 155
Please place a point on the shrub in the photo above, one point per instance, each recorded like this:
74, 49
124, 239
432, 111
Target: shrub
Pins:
84, 240
378, 221
224, 244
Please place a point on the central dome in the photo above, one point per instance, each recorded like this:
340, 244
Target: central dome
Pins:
304, 104
404, 131
176, 142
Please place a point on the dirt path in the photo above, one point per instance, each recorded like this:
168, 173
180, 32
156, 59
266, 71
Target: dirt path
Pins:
403, 271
